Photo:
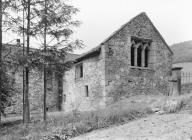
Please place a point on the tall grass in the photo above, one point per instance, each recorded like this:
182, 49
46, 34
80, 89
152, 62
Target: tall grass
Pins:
64, 126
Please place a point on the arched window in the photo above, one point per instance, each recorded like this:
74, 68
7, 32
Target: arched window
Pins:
132, 55
139, 53
146, 56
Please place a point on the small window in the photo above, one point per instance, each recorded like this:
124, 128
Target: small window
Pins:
79, 70
146, 56
86, 91
139, 58
132, 55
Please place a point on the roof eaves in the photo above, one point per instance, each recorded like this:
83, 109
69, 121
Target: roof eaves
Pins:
84, 55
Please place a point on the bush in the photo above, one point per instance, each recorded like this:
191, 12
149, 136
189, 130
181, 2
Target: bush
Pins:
176, 104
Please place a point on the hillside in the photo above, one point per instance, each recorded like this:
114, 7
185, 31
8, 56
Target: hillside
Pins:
182, 52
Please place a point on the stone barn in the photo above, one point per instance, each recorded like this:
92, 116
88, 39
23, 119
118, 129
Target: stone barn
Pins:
134, 60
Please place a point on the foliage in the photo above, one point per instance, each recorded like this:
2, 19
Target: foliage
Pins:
6, 90
64, 126
57, 16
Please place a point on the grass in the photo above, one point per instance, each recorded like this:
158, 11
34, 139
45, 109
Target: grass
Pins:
61, 126
176, 104
64, 126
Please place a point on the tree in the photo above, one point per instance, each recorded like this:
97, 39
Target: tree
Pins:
55, 21
23, 55
18, 20
5, 87
1, 46
18, 7
45, 70
51, 20
26, 99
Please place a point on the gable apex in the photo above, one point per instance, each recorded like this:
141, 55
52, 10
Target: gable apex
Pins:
124, 25
115, 32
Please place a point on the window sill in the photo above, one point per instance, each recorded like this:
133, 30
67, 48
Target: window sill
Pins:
79, 78
141, 68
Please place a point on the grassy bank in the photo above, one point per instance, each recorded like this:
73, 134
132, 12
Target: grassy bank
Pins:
62, 126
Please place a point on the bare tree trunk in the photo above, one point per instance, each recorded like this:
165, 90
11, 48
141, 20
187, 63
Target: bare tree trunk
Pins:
1, 45
60, 91
45, 94
45, 69
23, 66
26, 110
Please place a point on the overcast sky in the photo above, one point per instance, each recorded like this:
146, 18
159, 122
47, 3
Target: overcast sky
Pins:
173, 18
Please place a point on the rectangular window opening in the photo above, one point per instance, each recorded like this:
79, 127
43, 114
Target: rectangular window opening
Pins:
79, 70
132, 56
139, 58
86, 91
146, 57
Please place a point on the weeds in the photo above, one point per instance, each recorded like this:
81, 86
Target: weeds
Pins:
65, 126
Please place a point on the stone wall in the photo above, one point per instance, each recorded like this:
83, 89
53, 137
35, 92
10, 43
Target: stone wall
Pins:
35, 84
35, 91
110, 75
121, 78
74, 88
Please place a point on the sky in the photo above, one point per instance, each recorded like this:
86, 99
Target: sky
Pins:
100, 18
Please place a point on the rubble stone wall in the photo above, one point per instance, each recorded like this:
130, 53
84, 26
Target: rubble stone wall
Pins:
35, 92
124, 80
74, 87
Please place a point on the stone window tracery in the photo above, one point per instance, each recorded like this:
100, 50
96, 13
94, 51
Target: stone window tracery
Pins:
132, 55
140, 52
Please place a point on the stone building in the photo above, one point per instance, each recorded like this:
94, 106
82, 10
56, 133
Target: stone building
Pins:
134, 60
54, 82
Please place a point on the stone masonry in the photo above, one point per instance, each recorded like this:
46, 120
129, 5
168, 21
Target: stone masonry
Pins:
133, 60
35, 84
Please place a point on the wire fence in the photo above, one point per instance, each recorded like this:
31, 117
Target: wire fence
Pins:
186, 78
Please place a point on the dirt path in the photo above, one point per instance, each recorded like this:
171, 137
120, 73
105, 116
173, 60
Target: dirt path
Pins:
157, 127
